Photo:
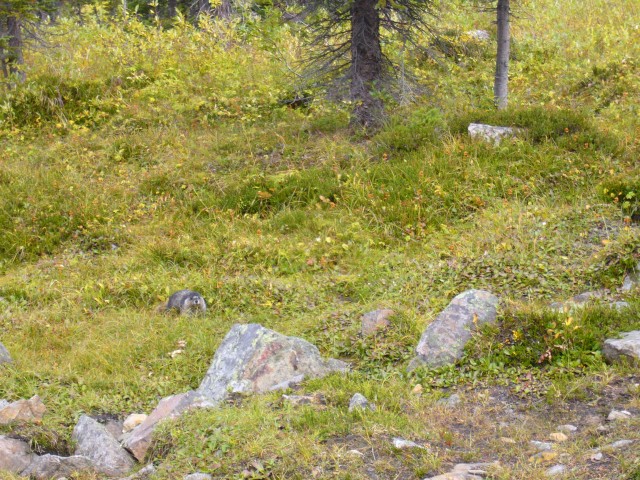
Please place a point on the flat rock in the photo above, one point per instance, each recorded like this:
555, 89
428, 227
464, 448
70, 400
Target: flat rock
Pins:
555, 470
254, 359
450, 401
198, 476
568, 428
375, 321
492, 134
47, 467
98, 445
359, 402
620, 444
558, 437
479, 35
616, 415
444, 339
15, 455
626, 348
139, 439
541, 446
315, 399
466, 471
23, 411
401, 444
142, 474
4, 354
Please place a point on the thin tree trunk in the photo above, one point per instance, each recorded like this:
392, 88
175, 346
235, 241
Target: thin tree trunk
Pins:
500, 86
224, 10
200, 7
366, 63
171, 8
15, 58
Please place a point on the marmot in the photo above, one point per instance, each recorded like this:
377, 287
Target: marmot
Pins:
187, 302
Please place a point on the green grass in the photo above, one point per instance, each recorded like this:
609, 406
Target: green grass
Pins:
136, 162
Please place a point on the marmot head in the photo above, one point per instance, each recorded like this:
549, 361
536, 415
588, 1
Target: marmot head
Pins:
194, 302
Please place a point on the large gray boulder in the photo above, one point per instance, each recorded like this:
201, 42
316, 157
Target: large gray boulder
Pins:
48, 467
98, 445
251, 359
4, 354
254, 359
444, 339
626, 348
15, 455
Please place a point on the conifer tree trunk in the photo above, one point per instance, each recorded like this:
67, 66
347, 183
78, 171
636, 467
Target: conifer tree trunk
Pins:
366, 62
15, 58
500, 86
171, 8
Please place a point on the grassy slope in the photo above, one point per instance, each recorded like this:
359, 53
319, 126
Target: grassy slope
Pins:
172, 167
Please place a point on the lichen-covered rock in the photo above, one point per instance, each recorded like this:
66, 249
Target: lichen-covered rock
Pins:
48, 467
143, 473
444, 339
139, 439
254, 359
15, 455
97, 444
479, 35
375, 321
626, 348
632, 280
490, 133
4, 354
23, 411
198, 476
360, 402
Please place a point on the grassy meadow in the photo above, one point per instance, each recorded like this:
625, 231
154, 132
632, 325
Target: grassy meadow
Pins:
138, 160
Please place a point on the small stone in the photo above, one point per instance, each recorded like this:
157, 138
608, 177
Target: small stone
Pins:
596, 456
616, 415
632, 280
593, 420
315, 399
417, 390
401, 443
543, 457
541, 446
507, 440
602, 429
198, 476
450, 401
555, 470
376, 320
23, 411
355, 453
143, 473
358, 401
568, 428
133, 420
4, 355
479, 35
558, 437
620, 444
